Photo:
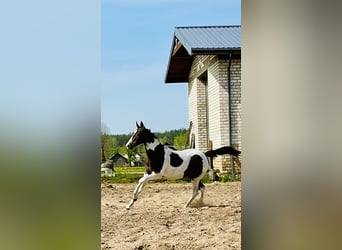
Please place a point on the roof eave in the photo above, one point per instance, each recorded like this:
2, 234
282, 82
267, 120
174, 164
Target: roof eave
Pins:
179, 67
213, 51
177, 72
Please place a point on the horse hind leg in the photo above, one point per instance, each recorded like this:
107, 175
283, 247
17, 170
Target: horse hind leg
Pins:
201, 187
195, 187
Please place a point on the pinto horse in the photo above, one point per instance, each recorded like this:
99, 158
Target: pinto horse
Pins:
166, 162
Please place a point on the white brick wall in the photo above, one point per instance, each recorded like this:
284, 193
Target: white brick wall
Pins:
197, 113
213, 95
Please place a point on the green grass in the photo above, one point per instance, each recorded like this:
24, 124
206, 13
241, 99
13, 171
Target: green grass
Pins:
129, 169
133, 174
122, 178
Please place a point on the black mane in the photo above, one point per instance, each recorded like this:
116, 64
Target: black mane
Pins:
148, 136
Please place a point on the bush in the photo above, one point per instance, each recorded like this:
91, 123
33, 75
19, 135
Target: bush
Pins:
228, 177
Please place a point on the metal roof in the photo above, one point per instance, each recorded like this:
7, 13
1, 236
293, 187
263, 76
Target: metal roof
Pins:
199, 40
209, 38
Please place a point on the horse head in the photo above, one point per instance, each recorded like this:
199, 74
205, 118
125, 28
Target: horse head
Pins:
141, 135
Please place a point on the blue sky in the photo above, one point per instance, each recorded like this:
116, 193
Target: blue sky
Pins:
136, 39
50, 60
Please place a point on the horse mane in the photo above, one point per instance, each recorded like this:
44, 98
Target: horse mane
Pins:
169, 146
149, 135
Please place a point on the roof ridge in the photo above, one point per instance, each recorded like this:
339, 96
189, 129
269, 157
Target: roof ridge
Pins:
209, 26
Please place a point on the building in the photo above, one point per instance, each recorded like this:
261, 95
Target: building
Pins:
208, 59
119, 160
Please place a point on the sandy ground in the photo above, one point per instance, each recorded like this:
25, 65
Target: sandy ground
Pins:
158, 220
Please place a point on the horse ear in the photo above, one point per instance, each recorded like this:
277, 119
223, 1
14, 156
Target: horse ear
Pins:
137, 125
142, 125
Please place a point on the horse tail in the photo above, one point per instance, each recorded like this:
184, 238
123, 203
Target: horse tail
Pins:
212, 175
222, 151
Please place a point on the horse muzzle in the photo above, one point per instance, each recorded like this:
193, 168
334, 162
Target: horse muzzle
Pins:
129, 145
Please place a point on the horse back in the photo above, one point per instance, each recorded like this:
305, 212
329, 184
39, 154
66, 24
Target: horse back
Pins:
189, 163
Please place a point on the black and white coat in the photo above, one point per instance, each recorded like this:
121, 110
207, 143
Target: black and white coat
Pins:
166, 162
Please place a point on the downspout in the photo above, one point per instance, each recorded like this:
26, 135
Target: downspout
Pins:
230, 115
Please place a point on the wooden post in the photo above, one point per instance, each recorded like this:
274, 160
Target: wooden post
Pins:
192, 144
210, 147
188, 134
232, 166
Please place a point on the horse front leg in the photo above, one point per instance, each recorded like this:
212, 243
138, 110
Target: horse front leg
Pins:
140, 185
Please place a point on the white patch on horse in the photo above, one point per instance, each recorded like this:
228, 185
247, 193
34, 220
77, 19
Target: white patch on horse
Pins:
174, 173
129, 141
152, 145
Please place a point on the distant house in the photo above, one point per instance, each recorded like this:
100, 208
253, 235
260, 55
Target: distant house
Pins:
208, 59
119, 160
138, 160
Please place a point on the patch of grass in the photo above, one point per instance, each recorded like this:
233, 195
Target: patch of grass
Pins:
132, 178
129, 169
228, 177
122, 178
135, 173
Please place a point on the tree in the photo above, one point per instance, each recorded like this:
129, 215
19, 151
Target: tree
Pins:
107, 143
180, 140
131, 155
107, 146
111, 144
105, 129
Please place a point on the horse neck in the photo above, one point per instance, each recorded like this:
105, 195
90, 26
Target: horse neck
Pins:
152, 145
155, 156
